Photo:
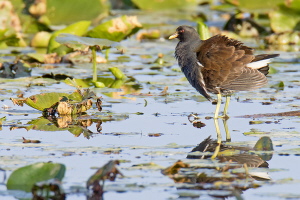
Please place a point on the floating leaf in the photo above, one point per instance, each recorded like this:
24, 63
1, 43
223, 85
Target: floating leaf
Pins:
116, 29
264, 144
254, 132
25, 177
78, 28
45, 58
65, 104
284, 19
83, 43
164, 4
40, 101
256, 5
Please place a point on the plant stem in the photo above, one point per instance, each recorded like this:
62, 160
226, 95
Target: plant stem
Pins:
94, 64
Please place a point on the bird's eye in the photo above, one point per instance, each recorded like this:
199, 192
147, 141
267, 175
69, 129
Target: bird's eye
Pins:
181, 30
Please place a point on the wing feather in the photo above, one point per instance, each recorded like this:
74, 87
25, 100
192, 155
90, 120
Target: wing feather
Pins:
224, 63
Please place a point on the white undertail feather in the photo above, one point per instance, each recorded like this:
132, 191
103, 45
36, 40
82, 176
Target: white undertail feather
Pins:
259, 64
263, 175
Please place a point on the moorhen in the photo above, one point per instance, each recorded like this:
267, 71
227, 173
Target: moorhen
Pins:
219, 65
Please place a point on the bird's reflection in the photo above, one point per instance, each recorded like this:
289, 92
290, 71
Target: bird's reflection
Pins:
216, 165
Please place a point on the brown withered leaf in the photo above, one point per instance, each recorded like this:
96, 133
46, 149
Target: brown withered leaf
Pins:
174, 169
30, 141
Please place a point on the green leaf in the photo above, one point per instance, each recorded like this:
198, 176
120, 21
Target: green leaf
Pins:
46, 100
264, 144
278, 86
25, 177
40, 39
117, 73
79, 28
37, 56
116, 29
203, 30
77, 102
82, 43
284, 19
70, 11
164, 4
256, 5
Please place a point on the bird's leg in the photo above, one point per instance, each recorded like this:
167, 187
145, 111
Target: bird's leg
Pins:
219, 101
225, 116
228, 137
219, 139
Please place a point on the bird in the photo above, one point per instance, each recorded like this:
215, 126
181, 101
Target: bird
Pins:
219, 65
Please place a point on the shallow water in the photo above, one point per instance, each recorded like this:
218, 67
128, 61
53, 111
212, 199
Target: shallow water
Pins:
135, 114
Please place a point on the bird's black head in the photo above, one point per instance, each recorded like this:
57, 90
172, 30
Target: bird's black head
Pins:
184, 33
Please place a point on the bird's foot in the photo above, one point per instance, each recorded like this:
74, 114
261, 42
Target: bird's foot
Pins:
193, 117
224, 117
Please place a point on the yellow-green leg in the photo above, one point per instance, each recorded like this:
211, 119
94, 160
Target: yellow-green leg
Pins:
228, 137
219, 139
219, 101
226, 107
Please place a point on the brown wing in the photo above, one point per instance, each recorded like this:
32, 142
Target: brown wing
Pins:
224, 61
249, 79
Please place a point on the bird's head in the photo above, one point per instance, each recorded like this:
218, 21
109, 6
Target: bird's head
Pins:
184, 33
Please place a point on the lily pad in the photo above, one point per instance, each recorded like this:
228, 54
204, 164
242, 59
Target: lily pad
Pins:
256, 5
78, 28
83, 43
24, 178
284, 19
164, 4
116, 29
62, 103
40, 101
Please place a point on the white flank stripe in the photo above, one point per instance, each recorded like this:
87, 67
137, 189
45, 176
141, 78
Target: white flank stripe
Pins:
199, 64
259, 64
